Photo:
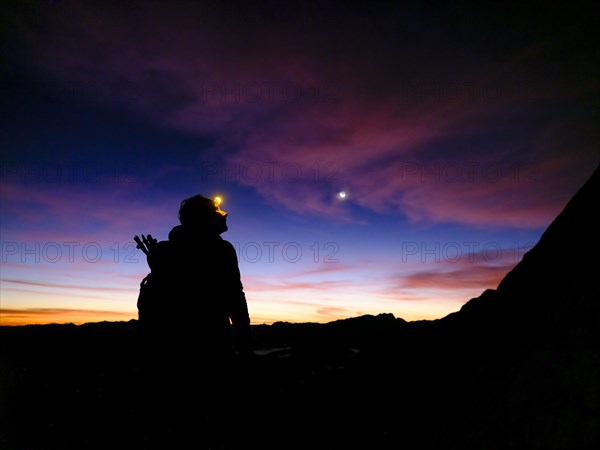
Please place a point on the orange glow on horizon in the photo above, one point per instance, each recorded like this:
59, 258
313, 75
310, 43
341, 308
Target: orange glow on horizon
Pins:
46, 316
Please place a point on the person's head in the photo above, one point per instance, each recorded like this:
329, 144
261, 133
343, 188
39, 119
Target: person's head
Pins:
199, 212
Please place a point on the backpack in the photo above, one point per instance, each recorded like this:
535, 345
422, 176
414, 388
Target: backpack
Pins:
148, 296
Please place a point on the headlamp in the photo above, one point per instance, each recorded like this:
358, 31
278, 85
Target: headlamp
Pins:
218, 200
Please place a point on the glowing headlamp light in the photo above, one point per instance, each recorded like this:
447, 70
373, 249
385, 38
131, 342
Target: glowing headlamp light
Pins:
218, 200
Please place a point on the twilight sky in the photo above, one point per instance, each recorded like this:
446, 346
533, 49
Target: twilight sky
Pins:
373, 157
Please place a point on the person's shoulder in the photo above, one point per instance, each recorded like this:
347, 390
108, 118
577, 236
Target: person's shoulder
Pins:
227, 245
177, 233
163, 246
229, 249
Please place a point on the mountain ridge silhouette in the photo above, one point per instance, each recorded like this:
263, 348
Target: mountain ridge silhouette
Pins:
555, 257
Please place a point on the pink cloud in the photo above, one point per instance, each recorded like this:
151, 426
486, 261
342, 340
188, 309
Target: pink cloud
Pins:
476, 270
71, 214
78, 288
285, 285
474, 277
199, 80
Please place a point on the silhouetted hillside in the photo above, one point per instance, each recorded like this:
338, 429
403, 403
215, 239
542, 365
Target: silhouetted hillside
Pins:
356, 331
559, 272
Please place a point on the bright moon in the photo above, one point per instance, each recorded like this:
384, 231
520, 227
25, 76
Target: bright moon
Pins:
342, 194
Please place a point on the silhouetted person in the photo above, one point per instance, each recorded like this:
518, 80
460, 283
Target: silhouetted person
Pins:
197, 315
201, 298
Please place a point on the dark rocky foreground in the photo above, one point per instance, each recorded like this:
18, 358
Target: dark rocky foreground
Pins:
516, 368
369, 382
66, 386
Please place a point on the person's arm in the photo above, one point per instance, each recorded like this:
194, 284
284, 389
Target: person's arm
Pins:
238, 306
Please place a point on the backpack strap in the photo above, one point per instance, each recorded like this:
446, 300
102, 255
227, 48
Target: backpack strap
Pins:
145, 280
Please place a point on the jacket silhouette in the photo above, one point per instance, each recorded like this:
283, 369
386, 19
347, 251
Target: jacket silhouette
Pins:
198, 304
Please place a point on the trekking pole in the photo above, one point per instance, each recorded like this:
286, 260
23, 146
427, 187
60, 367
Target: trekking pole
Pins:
149, 241
140, 244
